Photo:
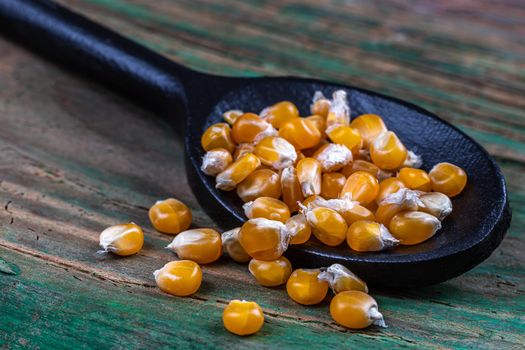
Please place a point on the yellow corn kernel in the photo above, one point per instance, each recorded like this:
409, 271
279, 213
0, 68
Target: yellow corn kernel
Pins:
369, 126
267, 207
250, 128
387, 151
243, 317
320, 105
413, 227
437, 204
232, 246
357, 213
291, 188
388, 186
332, 157
231, 116
310, 199
170, 216
319, 122
342, 279
448, 179
264, 239
180, 278
339, 112
356, 310
415, 179
328, 226
260, 183
361, 187
345, 135
218, 136
299, 229
275, 152
123, 239
237, 172
332, 184
216, 161
309, 175
305, 288
271, 273
369, 236
350, 211
242, 149
394, 203
280, 113
301, 132
360, 165
202, 245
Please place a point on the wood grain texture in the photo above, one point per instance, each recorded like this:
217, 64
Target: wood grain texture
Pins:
75, 158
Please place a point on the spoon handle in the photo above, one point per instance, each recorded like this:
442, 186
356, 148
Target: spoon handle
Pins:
96, 52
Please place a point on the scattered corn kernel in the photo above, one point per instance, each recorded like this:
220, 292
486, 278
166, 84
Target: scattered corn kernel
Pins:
361, 187
369, 236
216, 161
339, 112
356, 310
170, 216
415, 179
291, 188
448, 179
260, 183
299, 229
332, 184
437, 204
267, 207
345, 135
218, 136
387, 151
231, 116
180, 278
232, 246
332, 157
123, 239
276, 152
394, 203
264, 239
237, 172
342, 279
369, 127
413, 227
250, 128
243, 317
309, 176
320, 105
305, 288
319, 122
388, 186
280, 113
271, 273
202, 245
301, 132
328, 225
350, 211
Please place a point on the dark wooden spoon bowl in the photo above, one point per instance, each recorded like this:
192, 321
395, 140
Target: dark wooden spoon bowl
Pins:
195, 100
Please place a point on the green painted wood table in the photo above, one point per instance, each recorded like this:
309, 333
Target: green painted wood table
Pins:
75, 158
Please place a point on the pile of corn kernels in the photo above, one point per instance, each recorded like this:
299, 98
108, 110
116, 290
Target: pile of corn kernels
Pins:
323, 175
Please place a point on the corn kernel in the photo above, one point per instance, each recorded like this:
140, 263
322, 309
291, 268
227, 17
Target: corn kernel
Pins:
320, 105
332, 157
180, 278
369, 126
170, 216
413, 227
387, 151
448, 179
309, 176
437, 204
328, 226
339, 112
202, 245
305, 288
319, 122
360, 165
332, 184
243, 317
242, 149
360, 187
216, 161
275, 152
394, 203
280, 113
123, 239
264, 239
260, 183
291, 188
388, 186
356, 310
232, 246
301, 132
218, 136
345, 135
271, 273
231, 116
342, 279
250, 128
267, 207
237, 172
299, 229
415, 179
350, 211
369, 236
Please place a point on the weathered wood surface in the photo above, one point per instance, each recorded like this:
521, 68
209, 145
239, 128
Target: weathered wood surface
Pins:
75, 158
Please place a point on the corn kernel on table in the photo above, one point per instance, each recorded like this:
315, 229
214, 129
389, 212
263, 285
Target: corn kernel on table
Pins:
76, 158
